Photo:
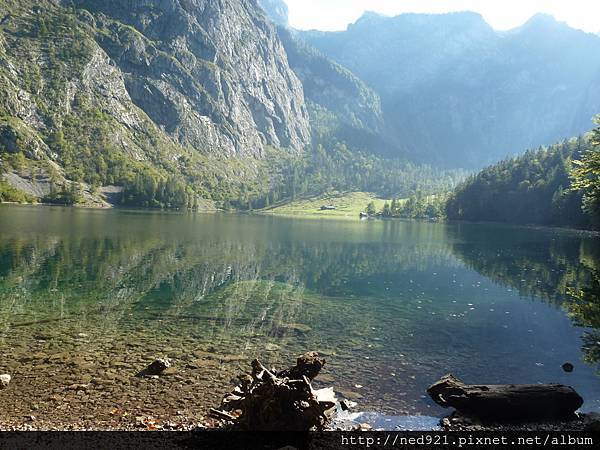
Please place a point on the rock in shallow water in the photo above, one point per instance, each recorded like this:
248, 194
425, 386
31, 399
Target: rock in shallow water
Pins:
4, 380
567, 367
157, 367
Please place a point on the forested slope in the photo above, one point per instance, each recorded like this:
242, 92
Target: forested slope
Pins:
535, 188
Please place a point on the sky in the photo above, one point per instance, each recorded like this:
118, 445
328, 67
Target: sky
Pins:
332, 15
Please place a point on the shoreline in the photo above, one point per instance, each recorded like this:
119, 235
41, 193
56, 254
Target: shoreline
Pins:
367, 421
313, 216
582, 231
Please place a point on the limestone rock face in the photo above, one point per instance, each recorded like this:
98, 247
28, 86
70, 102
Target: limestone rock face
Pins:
213, 74
170, 77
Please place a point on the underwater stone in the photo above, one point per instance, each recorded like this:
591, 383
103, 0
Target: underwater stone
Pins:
4, 380
157, 367
567, 367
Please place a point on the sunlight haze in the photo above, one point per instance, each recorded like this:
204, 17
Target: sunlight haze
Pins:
331, 15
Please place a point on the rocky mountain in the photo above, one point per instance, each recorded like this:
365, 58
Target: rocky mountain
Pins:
198, 89
456, 92
201, 59
342, 108
163, 103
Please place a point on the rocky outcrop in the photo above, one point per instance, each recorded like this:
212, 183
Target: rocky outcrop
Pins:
198, 90
213, 74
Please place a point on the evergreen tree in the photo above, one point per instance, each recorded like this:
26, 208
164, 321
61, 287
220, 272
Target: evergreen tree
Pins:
534, 188
387, 212
586, 175
371, 210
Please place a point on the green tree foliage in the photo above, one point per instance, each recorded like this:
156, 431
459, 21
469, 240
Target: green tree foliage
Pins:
371, 208
416, 206
534, 188
386, 211
586, 175
64, 194
148, 191
584, 310
338, 168
18, 161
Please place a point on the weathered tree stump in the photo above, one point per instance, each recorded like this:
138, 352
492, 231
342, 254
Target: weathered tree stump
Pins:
268, 400
510, 402
308, 365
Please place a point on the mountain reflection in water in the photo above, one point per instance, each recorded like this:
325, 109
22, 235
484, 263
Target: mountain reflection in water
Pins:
392, 305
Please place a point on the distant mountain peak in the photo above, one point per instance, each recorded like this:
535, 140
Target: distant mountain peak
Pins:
543, 20
276, 10
471, 15
486, 91
465, 19
368, 18
368, 15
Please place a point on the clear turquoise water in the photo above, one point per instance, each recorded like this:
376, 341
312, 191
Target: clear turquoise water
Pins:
393, 305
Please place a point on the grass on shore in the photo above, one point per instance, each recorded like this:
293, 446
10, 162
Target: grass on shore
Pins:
347, 205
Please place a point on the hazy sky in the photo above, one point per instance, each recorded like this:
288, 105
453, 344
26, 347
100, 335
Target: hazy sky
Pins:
500, 14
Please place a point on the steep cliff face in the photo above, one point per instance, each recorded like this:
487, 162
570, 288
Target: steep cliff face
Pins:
52, 71
211, 73
197, 89
342, 108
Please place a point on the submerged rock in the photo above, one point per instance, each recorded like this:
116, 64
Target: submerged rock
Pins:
349, 395
157, 367
292, 328
4, 380
567, 367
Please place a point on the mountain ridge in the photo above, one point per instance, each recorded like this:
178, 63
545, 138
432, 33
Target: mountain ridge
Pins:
164, 102
102, 92
487, 91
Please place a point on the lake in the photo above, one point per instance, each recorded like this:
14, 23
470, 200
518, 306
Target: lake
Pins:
90, 297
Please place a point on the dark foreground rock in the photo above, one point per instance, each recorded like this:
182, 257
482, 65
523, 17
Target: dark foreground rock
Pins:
157, 367
509, 402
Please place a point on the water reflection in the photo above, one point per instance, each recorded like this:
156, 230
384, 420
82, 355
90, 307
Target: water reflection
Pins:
393, 305
557, 266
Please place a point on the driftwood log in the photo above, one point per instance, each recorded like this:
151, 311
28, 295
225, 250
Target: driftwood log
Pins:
511, 402
268, 400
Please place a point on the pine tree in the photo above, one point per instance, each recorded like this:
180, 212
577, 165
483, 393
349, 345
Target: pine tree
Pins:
371, 210
586, 175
